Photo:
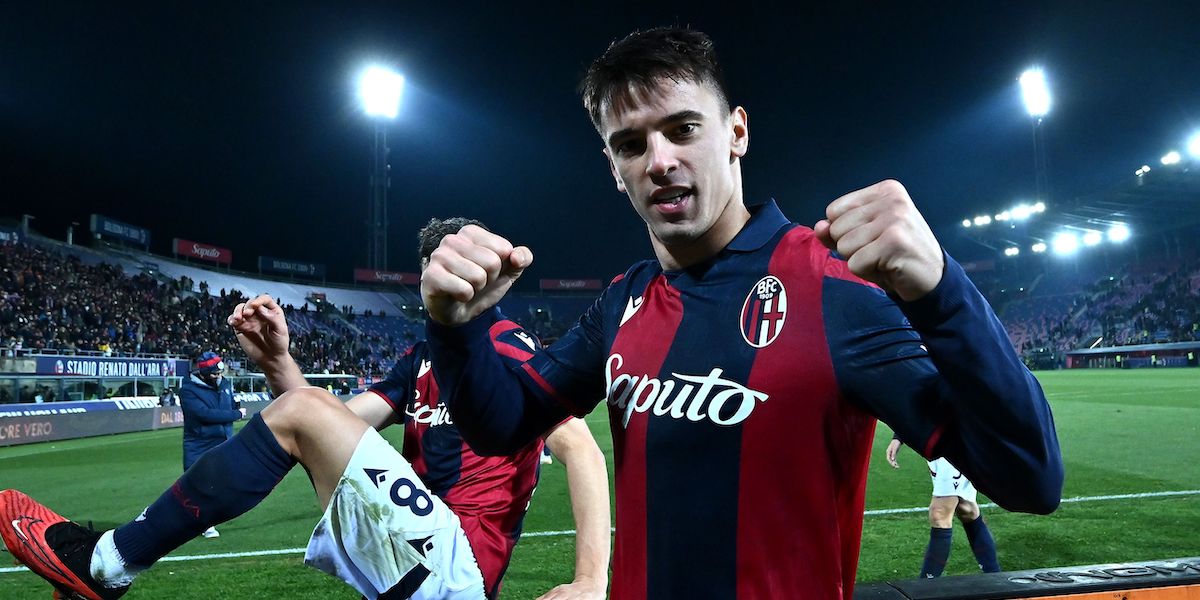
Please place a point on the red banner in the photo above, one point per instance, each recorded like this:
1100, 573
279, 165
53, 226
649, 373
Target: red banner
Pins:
207, 252
571, 284
377, 276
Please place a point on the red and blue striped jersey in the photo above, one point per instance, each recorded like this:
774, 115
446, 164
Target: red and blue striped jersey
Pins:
742, 394
490, 494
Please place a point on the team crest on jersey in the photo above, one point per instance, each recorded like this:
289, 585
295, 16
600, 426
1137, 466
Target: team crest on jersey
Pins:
763, 312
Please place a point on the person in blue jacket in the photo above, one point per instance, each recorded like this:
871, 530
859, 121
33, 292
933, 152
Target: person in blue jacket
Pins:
209, 411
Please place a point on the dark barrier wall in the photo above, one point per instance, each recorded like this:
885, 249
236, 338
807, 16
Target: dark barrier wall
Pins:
1149, 580
30, 423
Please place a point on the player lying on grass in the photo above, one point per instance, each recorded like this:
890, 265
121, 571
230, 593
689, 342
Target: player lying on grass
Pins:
744, 368
953, 495
437, 522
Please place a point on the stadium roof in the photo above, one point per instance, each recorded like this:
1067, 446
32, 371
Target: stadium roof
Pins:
1159, 201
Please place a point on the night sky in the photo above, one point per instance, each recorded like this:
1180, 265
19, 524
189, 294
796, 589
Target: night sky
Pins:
239, 126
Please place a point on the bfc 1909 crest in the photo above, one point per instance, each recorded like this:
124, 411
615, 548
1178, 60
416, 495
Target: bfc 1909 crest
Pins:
764, 312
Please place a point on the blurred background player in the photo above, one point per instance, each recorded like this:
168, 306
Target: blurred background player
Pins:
168, 397
953, 495
209, 412
441, 524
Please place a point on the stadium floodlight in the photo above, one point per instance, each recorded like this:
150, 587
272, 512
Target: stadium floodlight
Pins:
380, 89
1193, 145
1118, 233
1092, 237
1004, 216
1039, 247
1012, 251
1065, 243
982, 220
1142, 171
966, 222
1171, 158
1035, 92
1021, 212
1039, 207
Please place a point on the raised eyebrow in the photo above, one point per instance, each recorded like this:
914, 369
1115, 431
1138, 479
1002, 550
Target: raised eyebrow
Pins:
683, 115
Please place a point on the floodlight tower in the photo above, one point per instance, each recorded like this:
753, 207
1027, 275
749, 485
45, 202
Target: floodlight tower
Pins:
1036, 94
379, 89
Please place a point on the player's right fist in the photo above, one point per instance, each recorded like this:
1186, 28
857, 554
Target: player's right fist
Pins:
469, 273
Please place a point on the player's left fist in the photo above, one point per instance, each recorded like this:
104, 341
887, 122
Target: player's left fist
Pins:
261, 330
884, 239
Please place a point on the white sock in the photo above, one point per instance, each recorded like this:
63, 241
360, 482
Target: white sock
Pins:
108, 568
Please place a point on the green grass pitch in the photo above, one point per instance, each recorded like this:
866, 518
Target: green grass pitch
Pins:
1122, 432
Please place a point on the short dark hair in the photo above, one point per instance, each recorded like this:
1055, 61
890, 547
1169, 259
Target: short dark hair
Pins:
642, 58
431, 234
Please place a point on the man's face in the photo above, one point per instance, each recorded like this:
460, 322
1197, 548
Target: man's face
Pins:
673, 149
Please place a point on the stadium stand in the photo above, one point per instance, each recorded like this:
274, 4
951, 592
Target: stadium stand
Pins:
154, 306
57, 302
285, 292
67, 299
1148, 301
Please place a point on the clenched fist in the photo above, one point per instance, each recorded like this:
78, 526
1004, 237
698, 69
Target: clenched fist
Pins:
469, 273
884, 239
261, 330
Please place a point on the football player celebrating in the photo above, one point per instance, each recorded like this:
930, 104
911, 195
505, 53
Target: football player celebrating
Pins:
438, 522
745, 366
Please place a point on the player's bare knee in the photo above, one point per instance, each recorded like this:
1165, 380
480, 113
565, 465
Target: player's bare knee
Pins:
296, 411
967, 511
941, 511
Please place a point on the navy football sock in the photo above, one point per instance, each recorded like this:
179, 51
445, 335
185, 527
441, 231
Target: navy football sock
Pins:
226, 482
938, 552
982, 545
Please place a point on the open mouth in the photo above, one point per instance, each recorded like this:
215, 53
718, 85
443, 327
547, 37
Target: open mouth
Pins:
673, 202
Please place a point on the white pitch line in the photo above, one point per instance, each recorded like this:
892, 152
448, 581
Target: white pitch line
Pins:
896, 511
531, 534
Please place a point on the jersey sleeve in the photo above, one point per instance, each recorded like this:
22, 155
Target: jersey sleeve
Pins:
397, 387
502, 397
942, 373
513, 343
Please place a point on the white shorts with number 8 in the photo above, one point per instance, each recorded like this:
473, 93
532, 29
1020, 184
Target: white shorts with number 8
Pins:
388, 536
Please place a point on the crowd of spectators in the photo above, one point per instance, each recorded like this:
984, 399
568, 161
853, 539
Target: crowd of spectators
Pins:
52, 302
55, 303
1155, 303
1156, 309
